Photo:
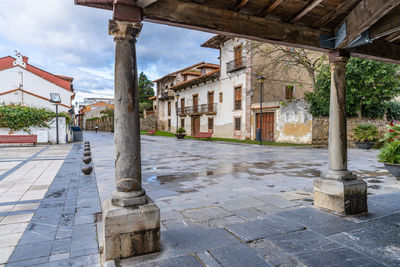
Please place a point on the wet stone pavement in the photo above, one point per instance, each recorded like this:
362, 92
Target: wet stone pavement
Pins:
62, 231
225, 204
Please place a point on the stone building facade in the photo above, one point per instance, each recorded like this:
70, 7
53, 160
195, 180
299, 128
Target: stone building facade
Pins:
225, 99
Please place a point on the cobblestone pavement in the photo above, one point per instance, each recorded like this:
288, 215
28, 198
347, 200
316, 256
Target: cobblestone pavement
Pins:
47, 207
225, 204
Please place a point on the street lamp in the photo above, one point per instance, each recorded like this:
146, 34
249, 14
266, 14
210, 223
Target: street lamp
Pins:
56, 99
260, 80
177, 97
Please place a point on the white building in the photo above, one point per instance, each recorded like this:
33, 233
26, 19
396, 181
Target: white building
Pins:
224, 99
22, 83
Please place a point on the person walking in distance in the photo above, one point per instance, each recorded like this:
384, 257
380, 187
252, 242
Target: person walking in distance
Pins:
96, 128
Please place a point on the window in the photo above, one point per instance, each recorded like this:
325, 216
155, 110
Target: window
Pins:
220, 98
169, 108
185, 77
237, 50
155, 107
203, 71
237, 124
289, 91
169, 124
238, 98
183, 123
210, 124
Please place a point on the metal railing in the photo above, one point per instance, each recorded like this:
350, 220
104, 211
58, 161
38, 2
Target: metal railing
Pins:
166, 95
237, 64
199, 109
238, 104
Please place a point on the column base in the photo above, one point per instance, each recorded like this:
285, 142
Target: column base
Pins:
348, 197
129, 199
130, 231
338, 175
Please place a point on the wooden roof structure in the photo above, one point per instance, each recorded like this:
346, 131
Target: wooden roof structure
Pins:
364, 28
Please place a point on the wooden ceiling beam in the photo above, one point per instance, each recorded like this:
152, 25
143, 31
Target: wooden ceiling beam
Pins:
393, 37
386, 26
222, 21
310, 6
268, 9
363, 17
342, 8
378, 50
144, 3
239, 4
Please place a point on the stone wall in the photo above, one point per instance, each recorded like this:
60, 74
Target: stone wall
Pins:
320, 131
107, 124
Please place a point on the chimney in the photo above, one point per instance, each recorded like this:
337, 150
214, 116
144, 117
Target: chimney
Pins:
25, 59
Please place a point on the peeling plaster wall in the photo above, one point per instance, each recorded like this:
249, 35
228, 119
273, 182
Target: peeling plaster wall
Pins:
293, 123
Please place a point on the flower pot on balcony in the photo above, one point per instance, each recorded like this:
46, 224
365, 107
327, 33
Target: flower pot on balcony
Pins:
180, 136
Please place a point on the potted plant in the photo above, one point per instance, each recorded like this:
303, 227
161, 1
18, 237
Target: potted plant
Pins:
365, 135
389, 154
180, 133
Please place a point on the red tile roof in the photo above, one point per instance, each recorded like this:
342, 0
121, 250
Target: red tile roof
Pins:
62, 81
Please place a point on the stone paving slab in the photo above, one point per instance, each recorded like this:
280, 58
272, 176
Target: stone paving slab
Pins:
272, 225
62, 231
237, 256
208, 191
318, 221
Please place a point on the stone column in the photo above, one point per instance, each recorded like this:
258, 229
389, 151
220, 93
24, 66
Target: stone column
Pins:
131, 221
338, 189
128, 174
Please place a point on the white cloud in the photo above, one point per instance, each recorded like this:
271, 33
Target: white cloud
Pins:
71, 40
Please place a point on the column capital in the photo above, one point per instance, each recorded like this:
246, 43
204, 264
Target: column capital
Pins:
124, 29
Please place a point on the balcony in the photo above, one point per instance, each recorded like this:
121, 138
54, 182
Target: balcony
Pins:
235, 65
198, 110
167, 95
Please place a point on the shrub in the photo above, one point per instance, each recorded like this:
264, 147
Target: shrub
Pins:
390, 153
93, 119
366, 133
19, 117
393, 111
181, 131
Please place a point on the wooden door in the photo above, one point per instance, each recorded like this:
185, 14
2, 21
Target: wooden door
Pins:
267, 126
238, 98
210, 102
195, 125
238, 56
195, 103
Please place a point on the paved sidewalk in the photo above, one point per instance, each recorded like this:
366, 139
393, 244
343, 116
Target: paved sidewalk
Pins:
226, 204
49, 208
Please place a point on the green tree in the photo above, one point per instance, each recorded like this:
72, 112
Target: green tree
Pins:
145, 88
369, 86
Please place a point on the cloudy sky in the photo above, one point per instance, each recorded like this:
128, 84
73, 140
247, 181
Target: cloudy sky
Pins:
72, 40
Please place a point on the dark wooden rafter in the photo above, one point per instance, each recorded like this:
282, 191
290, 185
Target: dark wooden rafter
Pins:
221, 21
330, 16
364, 16
199, 16
268, 9
239, 4
387, 25
393, 37
310, 6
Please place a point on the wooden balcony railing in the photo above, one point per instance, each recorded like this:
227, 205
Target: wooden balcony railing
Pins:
199, 109
237, 64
